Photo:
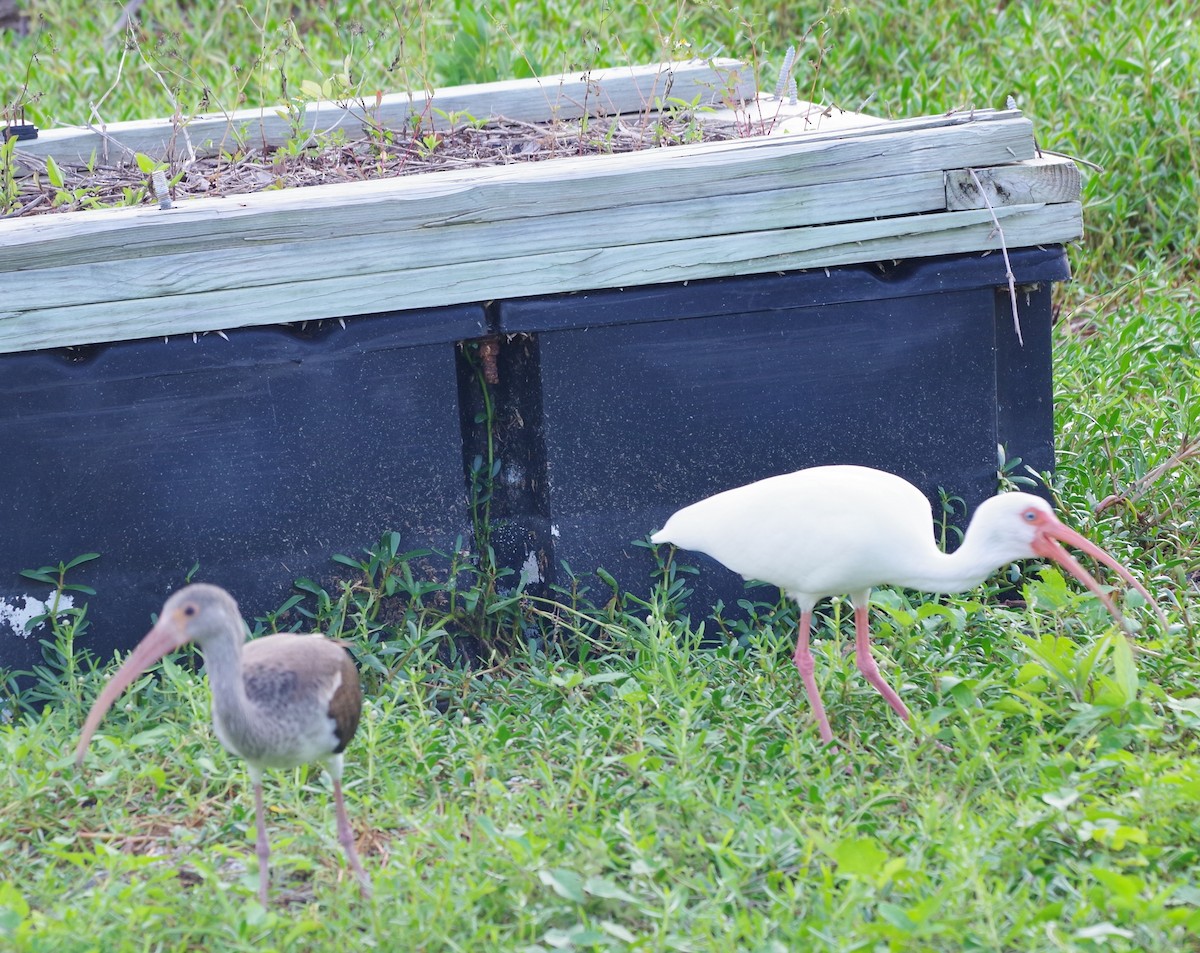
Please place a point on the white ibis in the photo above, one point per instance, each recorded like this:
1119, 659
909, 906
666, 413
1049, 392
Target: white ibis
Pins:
278, 701
843, 530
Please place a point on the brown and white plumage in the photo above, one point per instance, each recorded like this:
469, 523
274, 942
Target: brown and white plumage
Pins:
278, 702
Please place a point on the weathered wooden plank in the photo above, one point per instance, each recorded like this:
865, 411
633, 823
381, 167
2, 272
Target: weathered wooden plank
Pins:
568, 96
474, 246
651, 181
1045, 179
859, 125
766, 115
257, 298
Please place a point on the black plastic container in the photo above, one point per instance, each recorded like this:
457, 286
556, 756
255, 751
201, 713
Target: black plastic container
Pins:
261, 454
653, 398
256, 455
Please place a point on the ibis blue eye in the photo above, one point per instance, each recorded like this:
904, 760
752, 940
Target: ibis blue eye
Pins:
1030, 516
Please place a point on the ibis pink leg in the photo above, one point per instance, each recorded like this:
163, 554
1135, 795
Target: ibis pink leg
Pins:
263, 849
866, 662
346, 839
804, 662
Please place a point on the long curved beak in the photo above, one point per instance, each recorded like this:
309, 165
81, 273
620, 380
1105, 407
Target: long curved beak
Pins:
1046, 544
164, 638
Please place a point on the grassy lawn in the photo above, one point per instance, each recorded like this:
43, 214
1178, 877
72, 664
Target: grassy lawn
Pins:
619, 787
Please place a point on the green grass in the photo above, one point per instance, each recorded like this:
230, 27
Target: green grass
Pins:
625, 789
1110, 83
642, 794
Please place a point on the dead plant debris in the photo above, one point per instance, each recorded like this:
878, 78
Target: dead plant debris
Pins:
379, 154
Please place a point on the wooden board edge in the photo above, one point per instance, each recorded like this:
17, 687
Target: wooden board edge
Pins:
619, 266
1048, 179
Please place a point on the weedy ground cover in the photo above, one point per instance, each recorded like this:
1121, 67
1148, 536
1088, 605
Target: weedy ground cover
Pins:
613, 785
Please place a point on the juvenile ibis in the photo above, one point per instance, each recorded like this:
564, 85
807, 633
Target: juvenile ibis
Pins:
277, 702
843, 530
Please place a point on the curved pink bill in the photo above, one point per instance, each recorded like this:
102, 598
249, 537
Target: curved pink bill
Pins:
160, 640
1046, 545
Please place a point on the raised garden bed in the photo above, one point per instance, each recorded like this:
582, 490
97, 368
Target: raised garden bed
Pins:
664, 324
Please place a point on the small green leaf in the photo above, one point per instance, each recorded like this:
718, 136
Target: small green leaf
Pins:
149, 736
577, 936
1188, 894
54, 173
1125, 886
485, 824
897, 917
566, 883
618, 931
1062, 798
1126, 674
1102, 931
146, 164
13, 908
860, 857
604, 888
291, 603
1186, 709
602, 677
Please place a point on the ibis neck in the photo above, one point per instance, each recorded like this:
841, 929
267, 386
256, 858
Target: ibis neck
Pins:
223, 663
963, 569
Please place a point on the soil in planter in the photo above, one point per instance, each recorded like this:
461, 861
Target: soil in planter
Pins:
379, 154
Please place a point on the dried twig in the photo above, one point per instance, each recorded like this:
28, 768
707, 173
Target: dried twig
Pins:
126, 19
1066, 155
1008, 272
178, 124
1189, 449
27, 207
98, 127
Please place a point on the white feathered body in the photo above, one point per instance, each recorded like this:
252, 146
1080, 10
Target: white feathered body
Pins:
819, 532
